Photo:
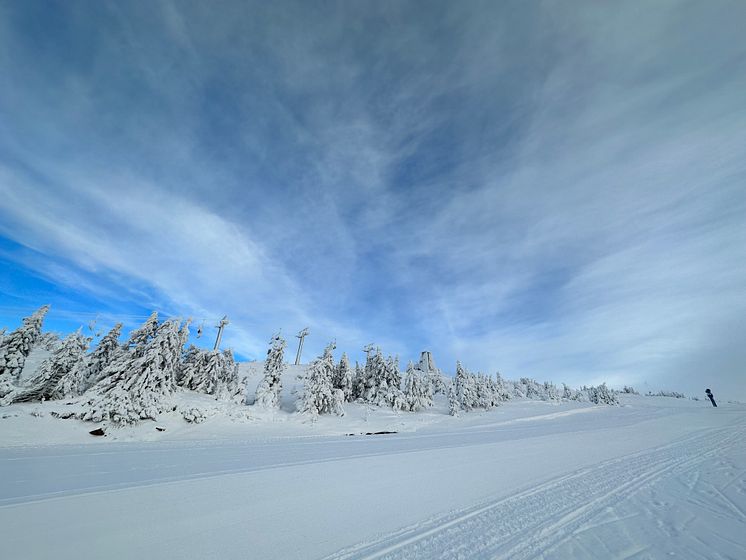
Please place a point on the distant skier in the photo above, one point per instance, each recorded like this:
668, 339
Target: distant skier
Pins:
709, 395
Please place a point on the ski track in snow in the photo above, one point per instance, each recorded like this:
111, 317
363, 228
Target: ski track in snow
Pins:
535, 522
181, 461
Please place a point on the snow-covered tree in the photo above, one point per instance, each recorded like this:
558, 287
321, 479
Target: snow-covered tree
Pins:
140, 337
601, 395
531, 389
550, 391
15, 348
229, 386
417, 389
375, 377
568, 394
137, 385
268, 390
388, 392
213, 372
484, 396
106, 351
393, 375
358, 382
343, 378
438, 382
466, 391
61, 375
503, 393
49, 341
318, 395
453, 401
187, 366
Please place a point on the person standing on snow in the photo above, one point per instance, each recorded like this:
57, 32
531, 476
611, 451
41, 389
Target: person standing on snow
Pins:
711, 397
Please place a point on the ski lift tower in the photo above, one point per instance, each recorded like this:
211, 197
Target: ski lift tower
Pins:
301, 335
368, 349
220, 326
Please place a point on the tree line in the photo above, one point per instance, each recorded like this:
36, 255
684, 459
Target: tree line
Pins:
124, 383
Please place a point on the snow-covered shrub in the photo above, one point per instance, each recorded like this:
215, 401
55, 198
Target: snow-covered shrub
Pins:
15, 348
194, 415
59, 376
672, 394
268, 390
629, 390
318, 395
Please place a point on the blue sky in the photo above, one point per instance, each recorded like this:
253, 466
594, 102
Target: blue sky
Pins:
554, 190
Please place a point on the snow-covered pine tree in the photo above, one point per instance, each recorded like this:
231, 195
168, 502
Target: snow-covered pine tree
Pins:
393, 375
59, 376
268, 390
213, 372
15, 348
601, 395
228, 386
389, 391
550, 391
318, 395
531, 389
431, 373
343, 378
417, 389
221, 374
567, 393
453, 404
503, 387
140, 337
465, 388
358, 382
484, 398
137, 385
106, 351
375, 377
188, 365
49, 341
495, 393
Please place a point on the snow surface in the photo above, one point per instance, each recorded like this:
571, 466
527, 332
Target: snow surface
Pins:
654, 478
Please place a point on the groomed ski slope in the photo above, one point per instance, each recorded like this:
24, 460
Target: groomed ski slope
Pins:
654, 478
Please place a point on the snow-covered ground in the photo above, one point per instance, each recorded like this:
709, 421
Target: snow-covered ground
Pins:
654, 478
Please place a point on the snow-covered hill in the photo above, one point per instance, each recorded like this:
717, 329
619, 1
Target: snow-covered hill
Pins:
656, 477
